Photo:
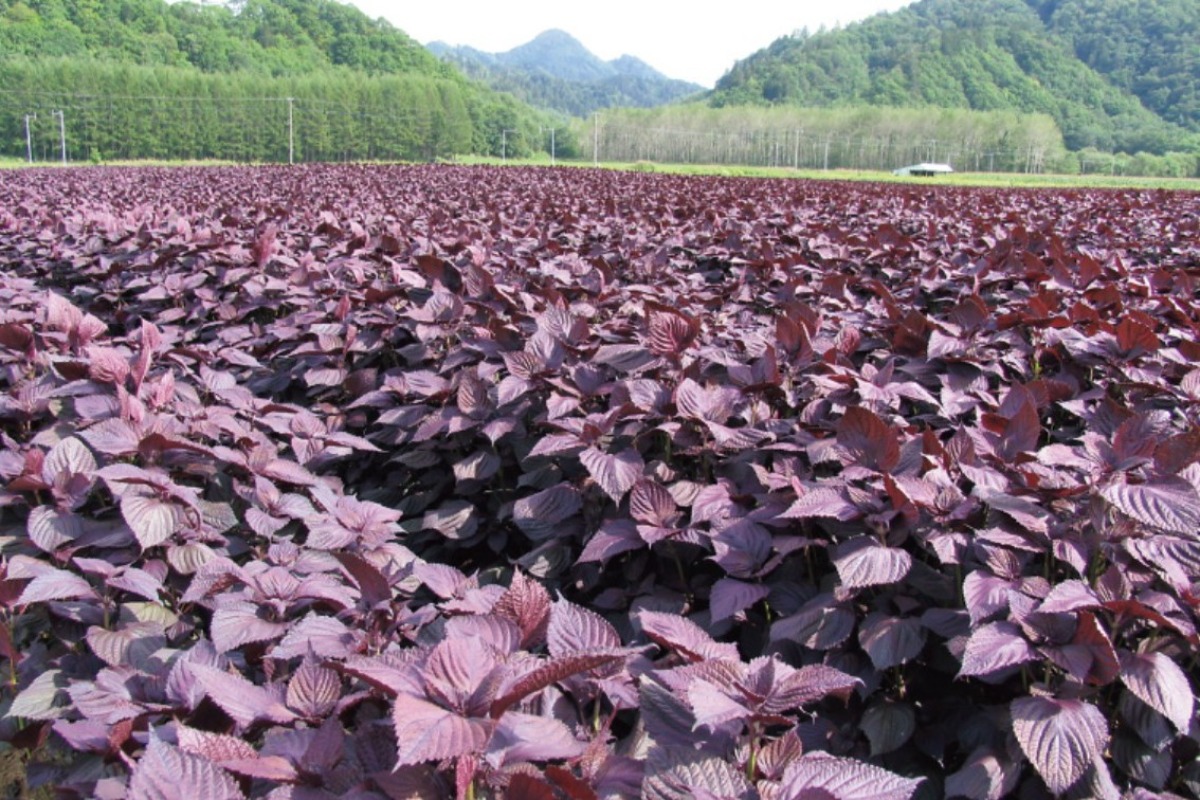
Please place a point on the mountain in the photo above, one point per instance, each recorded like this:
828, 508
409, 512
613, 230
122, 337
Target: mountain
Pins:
556, 71
247, 79
1115, 75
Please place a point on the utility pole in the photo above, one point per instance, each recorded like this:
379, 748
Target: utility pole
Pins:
291, 133
826, 166
29, 138
504, 143
62, 133
596, 139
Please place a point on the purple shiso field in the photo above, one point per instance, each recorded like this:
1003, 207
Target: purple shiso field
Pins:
381, 483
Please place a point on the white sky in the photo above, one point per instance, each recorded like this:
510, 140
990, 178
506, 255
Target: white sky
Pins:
687, 40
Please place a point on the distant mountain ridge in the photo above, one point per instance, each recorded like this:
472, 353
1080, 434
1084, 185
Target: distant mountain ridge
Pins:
554, 70
1114, 75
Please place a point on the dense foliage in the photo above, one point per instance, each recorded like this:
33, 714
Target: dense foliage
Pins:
556, 71
148, 79
431, 482
1000, 54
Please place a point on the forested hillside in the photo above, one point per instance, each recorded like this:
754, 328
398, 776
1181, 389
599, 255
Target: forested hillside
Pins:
1113, 75
556, 71
148, 79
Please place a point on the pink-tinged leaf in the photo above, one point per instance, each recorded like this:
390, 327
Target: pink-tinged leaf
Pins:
527, 603
809, 684
613, 537
995, 647
651, 504
821, 503
844, 779
491, 630
550, 672
456, 669
712, 706
56, 584
324, 636
427, 732
730, 597
1069, 596
985, 776
313, 691
891, 641
50, 528
153, 521
685, 637
237, 622
215, 747
112, 437
671, 332
539, 516
1169, 504
106, 365
244, 702
556, 444
685, 774
524, 737
573, 628
268, 768
133, 645
455, 520
710, 404
985, 595
288, 472
1061, 738
45, 698
615, 474
69, 457
862, 562
1156, 680
167, 773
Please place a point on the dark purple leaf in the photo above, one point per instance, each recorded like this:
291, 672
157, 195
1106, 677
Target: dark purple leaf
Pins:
683, 636
427, 732
984, 776
844, 779
1156, 680
244, 702
527, 603
237, 622
888, 726
525, 737
540, 516
730, 597
167, 773
313, 690
1061, 738
574, 629
615, 474
863, 562
995, 647
1169, 504
891, 641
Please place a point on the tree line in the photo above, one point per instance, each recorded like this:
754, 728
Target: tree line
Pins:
113, 110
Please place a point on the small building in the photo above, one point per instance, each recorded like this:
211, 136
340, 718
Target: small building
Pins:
924, 170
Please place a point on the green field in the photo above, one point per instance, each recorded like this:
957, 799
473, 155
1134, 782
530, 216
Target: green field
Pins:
996, 179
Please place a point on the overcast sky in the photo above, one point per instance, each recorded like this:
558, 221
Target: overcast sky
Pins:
680, 39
